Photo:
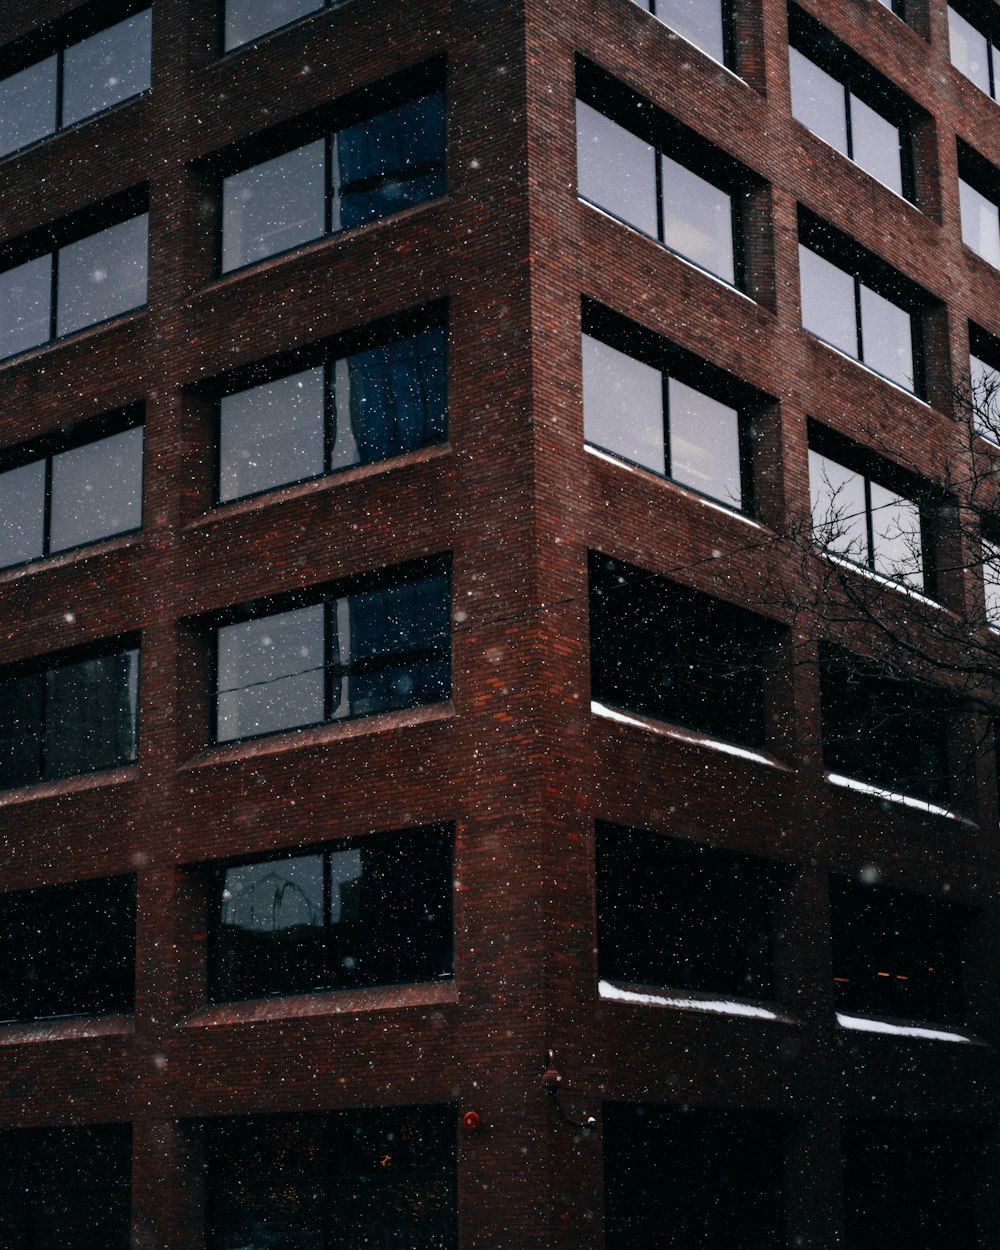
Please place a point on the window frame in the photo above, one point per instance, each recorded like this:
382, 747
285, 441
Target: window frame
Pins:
327, 598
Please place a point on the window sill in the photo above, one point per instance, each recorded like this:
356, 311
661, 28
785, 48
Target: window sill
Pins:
74, 555
897, 1028
65, 1029
319, 735
325, 1003
892, 796
889, 583
653, 725
690, 1001
120, 775
853, 164
896, 386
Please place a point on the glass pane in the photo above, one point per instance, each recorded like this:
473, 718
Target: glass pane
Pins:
270, 673
698, 220
102, 275
271, 434
22, 514
875, 145
897, 536
828, 302
28, 106
106, 68
697, 20
97, 490
969, 50
270, 929
616, 170
90, 714
991, 580
273, 206
985, 396
704, 444
390, 399
22, 701
839, 509
623, 405
25, 306
980, 223
388, 162
246, 19
818, 100
887, 338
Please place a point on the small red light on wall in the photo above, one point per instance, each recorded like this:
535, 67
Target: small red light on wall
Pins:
471, 1121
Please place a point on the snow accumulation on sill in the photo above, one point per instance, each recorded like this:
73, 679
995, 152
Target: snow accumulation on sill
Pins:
734, 513
668, 731
896, 386
889, 582
865, 1024
720, 1006
863, 787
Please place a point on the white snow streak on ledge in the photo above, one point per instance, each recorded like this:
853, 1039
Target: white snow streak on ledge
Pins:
719, 1005
864, 1024
863, 787
890, 583
728, 748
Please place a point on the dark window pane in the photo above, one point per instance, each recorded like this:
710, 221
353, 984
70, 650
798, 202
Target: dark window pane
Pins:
90, 714
818, 100
616, 170
25, 306
698, 220
273, 206
623, 405
704, 444
109, 66
270, 673
980, 223
698, 20
102, 275
887, 338
876, 145
21, 713
271, 434
676, 914
246, 19
22, 513
97, 490
389, 400
839, 508
828, 308
969, 50
28, 106
388, 162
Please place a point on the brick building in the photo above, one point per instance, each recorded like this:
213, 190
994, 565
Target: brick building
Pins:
402, 408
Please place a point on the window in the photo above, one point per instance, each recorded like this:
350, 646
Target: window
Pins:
75, 494
974, 53
680, 1177
373, 911
984, 383
384, 645
88, 280
379, 1177
884, 728
861, 518
68, 1186
991, 581
668, 652
74, 82
66, 716
912, 1182
869, 317
370, 405
673, 913
376, 167
980, 205
68, 950
627, 171
249, 19
705, 23
635, 407
895, 953
850, 112
896, 6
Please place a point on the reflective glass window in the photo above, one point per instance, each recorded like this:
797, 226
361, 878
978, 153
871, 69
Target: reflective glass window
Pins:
971, 53
274, 206
980, 222
698, 220
705, 443
102, 275
107, 67
22, 513
818, 100
984, 395
249, 19
700, 21
25, 306
28, 105
828, 307
886, 337
271, 434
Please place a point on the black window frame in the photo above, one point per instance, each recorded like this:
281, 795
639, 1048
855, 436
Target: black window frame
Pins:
434, 840
46, 449
327, 597
728, 13
647, 347
990, 31
673, 140
397, 329
424, 82
56, 39
51, 901
40, 666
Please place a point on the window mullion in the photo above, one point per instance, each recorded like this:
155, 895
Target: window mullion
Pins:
869, 524
47, 509
859, 328
329, 609
328, 143
53, 291
329, 411
667, 453
661, 225
849, 121
60, 68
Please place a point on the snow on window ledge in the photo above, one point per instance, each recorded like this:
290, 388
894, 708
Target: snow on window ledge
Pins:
905, 800
890, 583
670, 731
719, 1006
868, 1024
